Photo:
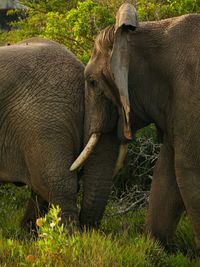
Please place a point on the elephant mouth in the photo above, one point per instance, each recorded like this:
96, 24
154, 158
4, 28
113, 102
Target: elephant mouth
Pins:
124, 134
89, 148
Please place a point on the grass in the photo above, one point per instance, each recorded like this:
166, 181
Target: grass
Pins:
119, 242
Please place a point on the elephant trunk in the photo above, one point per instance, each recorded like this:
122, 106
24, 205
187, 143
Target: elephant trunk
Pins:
98, 180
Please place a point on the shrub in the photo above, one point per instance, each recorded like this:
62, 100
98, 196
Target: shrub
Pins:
139, 164
159, 9
77, 27
74, 27
13, 200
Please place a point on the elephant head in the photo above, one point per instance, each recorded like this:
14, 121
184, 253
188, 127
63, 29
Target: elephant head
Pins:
107, 112
106, 88
107, 73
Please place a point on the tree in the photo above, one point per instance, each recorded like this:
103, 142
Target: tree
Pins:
161, 9
55, 19
75, 23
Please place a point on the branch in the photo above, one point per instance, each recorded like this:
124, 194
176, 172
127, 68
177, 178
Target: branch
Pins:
131, 207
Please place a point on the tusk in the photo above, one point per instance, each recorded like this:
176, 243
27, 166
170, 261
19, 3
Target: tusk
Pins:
120, 160
86, 152
126, 114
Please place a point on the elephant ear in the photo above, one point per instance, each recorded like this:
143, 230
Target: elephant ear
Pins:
126, 20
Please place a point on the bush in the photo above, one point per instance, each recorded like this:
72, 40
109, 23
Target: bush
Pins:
13, 200
74, 27
139, 163
75, 23
78, 27
119, 242
159, 9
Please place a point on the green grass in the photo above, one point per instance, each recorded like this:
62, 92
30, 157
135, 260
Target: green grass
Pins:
119, 242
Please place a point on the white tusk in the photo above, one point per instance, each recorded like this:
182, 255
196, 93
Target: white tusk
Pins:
94, 138
120, 160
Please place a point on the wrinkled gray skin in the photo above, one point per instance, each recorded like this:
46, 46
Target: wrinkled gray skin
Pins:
150, 73
41, 129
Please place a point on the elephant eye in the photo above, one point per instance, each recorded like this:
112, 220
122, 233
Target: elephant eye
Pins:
92, 82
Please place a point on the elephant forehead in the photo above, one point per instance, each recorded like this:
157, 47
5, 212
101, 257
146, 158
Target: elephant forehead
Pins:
104, 40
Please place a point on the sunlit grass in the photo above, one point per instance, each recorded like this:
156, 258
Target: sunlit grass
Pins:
119, 242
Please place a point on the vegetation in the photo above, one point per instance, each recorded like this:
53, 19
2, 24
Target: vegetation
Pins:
75, 23
161, 9
73, 27
120, 241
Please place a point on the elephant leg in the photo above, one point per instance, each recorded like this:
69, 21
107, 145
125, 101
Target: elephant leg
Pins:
37, 207
188, 179
64, 193
165, 205
97, 181
51, 179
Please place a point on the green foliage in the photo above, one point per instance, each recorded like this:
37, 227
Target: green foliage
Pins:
176, 8
12, 251
184, 238
45, 6
119, 242
73, 27
126, 226
158, 9
178, 260
54, 241
13, 201
32, 21
140, 160
75, 23
113, 5
77, 28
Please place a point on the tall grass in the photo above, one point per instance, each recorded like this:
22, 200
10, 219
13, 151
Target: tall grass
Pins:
119, 242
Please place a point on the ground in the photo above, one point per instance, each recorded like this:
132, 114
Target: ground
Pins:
119, 242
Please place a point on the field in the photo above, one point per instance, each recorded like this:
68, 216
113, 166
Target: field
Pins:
119, 241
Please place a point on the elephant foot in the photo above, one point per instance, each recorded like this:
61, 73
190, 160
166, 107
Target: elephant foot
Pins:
89, 220
29, 226
36, 208
71, 222
28, 222
87, 225
158, 235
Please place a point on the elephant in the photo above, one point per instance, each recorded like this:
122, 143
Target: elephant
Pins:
148, 72
42, 130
